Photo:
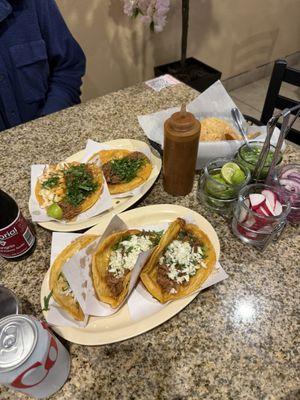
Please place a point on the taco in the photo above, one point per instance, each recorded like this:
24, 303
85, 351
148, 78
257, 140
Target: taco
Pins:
114, 260
73, 187
124, 170
215, 129
58, 284
182, 261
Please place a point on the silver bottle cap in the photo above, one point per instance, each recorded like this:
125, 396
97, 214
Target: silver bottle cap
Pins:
18, 337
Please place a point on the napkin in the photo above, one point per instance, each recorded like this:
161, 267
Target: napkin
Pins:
213, 102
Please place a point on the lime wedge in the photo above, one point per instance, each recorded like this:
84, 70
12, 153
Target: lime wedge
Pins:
55, 211
228, 171
218, 177
238, 177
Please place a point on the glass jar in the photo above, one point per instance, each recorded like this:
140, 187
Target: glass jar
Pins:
253, 227
249, 157
216, 194
286, 179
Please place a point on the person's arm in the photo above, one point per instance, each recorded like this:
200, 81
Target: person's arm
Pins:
66, 59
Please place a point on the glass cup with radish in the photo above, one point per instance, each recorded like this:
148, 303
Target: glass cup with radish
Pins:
260, 215
287, 180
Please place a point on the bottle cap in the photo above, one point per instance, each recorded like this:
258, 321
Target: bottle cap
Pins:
182, 120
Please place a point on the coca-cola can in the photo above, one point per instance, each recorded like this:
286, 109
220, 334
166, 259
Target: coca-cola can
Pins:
32, 359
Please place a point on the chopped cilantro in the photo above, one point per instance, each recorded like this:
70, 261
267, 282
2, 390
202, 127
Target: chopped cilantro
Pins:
154, 236
126, 168
118, 244
51, 182
46, 301
79, 184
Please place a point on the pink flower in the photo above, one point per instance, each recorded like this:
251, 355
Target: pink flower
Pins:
150, 12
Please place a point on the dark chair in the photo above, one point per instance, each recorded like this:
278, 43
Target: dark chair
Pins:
281, 73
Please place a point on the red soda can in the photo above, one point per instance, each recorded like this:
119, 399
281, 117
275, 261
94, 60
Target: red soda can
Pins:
32, 359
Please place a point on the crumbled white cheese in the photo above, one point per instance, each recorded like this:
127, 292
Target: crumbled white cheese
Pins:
125, 257
183, 260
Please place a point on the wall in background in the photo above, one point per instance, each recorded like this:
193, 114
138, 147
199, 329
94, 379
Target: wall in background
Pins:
233, 36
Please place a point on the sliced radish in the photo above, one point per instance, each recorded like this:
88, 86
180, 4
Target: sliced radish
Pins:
243, 213
256, 200
268, 208
246, 233
250, 221
270, 196
278, 208
261, 211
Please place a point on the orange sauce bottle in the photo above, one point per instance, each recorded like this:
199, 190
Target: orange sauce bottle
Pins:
181, 140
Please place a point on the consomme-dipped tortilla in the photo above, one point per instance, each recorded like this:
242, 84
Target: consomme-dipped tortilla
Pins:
215, 129
114, 260
61, 291
124, 170
182, 261
74, 187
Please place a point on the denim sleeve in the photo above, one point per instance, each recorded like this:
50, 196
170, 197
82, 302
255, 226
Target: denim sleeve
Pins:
66, 59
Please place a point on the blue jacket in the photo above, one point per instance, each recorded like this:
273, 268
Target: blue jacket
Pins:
41, 64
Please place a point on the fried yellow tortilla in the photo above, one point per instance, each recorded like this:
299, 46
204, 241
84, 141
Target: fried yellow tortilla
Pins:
122, 183
108, 289
157, 283
57, 193
216, 129
58, 284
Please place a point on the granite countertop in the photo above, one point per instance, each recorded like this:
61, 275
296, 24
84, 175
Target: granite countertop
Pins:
237, 340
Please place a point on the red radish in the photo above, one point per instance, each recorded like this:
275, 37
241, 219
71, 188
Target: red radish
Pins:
256, 199
250, 221
278, 208
243, 213
246, 233
261, 211
270, 196
268, 208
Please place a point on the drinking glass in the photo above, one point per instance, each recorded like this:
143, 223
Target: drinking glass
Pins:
253, 228
283, 174
218, 196
249, 158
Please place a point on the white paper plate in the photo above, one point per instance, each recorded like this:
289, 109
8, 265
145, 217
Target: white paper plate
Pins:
120, 326
119, 204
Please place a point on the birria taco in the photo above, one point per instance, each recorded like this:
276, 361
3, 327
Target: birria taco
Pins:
58, 284
114, 260
68, 189
124, 170
180, 264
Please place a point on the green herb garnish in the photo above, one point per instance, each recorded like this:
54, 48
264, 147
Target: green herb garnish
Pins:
46, 301
118, 244
154, 236
79, 184
51, 182
126, 168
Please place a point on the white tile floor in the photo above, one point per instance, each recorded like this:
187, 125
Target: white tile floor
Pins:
250, 98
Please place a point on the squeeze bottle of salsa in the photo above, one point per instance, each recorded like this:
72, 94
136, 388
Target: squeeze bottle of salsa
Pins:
181, 139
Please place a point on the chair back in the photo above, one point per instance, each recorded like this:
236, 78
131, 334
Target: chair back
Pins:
274, 100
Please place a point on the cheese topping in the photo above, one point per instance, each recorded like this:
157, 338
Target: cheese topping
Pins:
126, 254
182, 260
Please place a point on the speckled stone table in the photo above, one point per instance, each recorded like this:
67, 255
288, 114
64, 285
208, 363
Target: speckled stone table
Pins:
237, 340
